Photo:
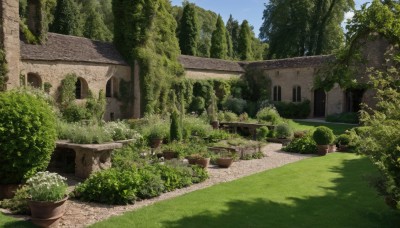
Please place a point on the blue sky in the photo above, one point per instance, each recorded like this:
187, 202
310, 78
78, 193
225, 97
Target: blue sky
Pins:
250, 10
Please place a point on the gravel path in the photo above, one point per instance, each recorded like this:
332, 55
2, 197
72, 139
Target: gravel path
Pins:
80, 214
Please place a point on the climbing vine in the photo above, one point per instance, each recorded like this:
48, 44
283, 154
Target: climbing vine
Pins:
144, 31
3, 62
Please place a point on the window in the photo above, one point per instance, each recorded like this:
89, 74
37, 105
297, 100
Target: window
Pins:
296, 96
109, 86
34, 80
277, 93
81, 88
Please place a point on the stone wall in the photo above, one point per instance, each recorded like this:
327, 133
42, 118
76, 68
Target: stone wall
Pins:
95, 75
209, 74
10, 16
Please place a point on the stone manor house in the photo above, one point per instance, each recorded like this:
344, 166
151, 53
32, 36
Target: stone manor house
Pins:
98, 65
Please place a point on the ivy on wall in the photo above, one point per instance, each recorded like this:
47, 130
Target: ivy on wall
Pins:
3, 62
144, 31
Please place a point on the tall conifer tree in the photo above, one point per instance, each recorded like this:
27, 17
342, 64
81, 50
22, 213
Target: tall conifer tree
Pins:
233, 28
244, 43
219, 45
189, 32
67, 18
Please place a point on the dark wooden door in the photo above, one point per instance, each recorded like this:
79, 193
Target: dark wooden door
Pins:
319, 103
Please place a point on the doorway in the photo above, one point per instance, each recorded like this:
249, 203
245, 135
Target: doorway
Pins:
319, 103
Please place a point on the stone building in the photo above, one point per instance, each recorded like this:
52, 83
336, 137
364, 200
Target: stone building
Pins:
99, 66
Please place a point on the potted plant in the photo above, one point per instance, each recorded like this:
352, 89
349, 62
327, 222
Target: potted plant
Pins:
225, 159
201, 158
156, 136
323, 136
343, 141
173, 150
48, 197
284, 133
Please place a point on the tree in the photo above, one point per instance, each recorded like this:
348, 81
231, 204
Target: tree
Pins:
94, 26
219, 47
189, 32
233, 28
244, 42
303, 27
67, 18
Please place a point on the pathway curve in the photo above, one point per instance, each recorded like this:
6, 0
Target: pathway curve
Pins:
80, 214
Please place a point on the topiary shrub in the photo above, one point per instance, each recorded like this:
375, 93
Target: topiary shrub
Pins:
175, 129
283, 131
343, 139
262, 133
323, 136
27, 135
235, 105
303, 145
269, 115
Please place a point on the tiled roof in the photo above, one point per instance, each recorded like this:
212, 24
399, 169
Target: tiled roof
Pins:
71, 48
199, 63
297, 62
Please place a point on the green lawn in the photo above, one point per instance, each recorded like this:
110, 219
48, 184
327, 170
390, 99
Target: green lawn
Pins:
329, 191
304, 125
6, 222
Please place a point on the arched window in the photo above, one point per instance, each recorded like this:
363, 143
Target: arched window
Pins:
34, 80
81, 88
296, 96
277, 93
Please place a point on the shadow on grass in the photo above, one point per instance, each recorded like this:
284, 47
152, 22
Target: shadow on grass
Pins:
18, 224
350, 203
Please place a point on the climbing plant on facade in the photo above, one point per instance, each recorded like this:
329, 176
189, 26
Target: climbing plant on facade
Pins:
144, 31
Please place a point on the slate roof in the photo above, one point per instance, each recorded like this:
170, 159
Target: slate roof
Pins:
73, 49
199, 63
297, 62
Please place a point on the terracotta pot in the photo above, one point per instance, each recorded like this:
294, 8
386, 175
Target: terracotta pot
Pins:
192, 161
7, 191
332, 148
203, 162
155, 143
47, 214
323, 149
168, 155
224, 162
215, 124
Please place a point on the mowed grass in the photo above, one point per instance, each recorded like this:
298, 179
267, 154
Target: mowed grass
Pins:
6, 221
329, 191
336, 128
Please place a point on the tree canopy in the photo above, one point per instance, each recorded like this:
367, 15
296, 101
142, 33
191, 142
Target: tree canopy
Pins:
219, 47
189, 31
303, 27
67, 18
244, 42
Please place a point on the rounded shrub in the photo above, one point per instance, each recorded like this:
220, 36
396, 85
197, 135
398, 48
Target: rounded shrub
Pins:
283, 131
198, 104
27, 135
343, 139
269, 115
262, 133
323, 136
236, 105
303, 145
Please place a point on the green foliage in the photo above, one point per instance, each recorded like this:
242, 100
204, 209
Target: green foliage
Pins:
199, 174
47, 187
151, 184
196, 126
283, 131
3, 68
293, 110
67, 90
227, 116
345, 117
218, 135
323, 135
96, 107
175, 129
112, 186
244, 42
262, 133
144, 31
19, 203
219, 49
314, 27
27, 135
233, 28
94, 25
189, 33
303, 145
67, 18
74, 113
269, 115
47, 86
343, 139
197, 105
175, 175
235, 105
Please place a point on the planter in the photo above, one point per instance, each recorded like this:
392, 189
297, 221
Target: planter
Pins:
323, 149
7, 191
332, 148
168, 155
343, 148
224, 162
155, 143
215, 124
47, 214
192, 161
203, 162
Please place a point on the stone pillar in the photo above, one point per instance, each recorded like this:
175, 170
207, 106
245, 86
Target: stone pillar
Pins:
10, 38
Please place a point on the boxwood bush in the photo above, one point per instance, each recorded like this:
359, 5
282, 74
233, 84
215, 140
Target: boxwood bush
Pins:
323, 135
269, 115
293, 110
283, 131
27, 135
303, 145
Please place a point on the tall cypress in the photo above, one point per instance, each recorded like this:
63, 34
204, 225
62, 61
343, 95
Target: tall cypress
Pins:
233, 28
219, 47
67, 18
244, 43
189, 32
